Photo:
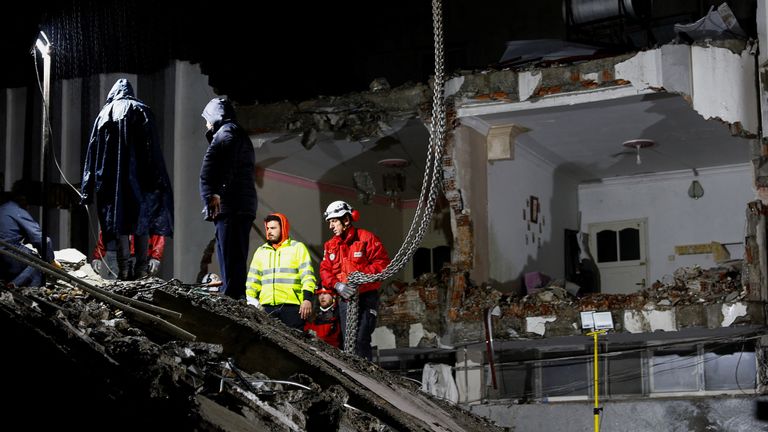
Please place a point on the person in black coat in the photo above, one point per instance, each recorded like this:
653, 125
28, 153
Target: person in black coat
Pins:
18, 228
228, 191
125, 169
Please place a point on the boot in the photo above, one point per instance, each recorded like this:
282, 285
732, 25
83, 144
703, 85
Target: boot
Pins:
123, 258
141, 272
141, 267
123, 270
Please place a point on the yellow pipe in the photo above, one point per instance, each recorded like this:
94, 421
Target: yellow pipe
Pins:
596, 410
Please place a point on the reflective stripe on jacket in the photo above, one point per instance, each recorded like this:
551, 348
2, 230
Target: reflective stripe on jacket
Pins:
281, 276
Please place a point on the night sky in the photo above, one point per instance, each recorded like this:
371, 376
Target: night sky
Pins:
270, 51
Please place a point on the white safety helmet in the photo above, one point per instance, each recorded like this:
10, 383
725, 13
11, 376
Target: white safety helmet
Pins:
337, 209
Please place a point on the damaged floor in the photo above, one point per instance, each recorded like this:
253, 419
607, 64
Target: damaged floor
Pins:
73, 361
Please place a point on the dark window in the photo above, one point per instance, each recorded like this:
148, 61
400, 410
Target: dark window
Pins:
625, 374
606, 246
440, 256
516, 380
564, 378
629, 244
422, 262
430, 260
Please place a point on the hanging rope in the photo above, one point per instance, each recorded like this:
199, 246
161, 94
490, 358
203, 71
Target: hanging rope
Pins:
429, 185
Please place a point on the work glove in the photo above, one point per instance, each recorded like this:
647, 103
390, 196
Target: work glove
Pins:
345, 290
154, 266
98, 266
253, 301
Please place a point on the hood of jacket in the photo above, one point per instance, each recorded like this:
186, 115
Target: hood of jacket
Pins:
285, 229
120, 101
219, 111
121, 90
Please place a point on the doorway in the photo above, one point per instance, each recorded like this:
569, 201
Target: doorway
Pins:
620, 251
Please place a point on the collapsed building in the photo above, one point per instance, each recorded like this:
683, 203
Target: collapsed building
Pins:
197, 361
647, 166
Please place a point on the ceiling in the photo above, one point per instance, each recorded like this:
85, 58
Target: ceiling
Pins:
584, 140
332, 161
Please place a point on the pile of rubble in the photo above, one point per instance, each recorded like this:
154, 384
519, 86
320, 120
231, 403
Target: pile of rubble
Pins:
698, 293
72, 360
688, 285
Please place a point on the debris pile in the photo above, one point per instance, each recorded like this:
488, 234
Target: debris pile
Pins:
418, 302
73, 360
688, 285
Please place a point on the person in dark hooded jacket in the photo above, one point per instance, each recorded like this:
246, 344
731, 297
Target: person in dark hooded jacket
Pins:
228, 191
125, 170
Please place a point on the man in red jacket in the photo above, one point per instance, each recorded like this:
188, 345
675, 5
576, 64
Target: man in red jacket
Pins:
351, 250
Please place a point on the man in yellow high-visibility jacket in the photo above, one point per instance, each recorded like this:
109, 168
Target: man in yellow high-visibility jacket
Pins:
281, 278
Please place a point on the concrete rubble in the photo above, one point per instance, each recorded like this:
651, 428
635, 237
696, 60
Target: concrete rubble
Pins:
73, 361
691, 297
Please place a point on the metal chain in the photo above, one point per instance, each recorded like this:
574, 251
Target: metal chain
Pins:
432, 172
429, 185
350, 327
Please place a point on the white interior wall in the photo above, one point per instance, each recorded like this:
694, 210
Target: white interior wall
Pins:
510, 185
674, 218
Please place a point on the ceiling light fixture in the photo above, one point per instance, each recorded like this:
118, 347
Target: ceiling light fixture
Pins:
695, 191
637, 144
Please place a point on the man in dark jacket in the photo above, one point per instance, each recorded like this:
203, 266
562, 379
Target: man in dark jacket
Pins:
18, 228
124, 165
228, 191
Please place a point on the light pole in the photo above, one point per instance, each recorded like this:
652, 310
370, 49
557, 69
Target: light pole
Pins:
44, 46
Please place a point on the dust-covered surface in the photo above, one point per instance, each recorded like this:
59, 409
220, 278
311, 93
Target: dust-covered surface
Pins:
74, 362
697, 297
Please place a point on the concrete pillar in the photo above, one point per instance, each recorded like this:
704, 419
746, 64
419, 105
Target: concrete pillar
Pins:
191, 232
471, 153
69, 158
15, 117
760, 153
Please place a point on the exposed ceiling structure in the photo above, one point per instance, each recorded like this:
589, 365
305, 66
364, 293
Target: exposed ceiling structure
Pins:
587, 139
334, 161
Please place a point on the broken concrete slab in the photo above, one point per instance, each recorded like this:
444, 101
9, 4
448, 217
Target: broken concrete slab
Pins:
117, 366
645, 321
